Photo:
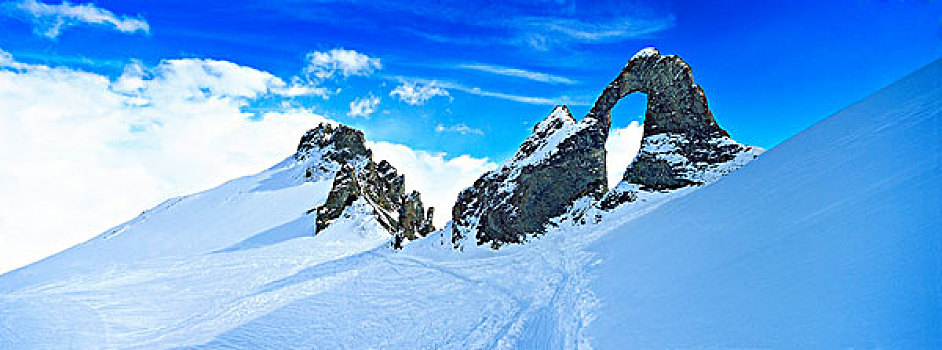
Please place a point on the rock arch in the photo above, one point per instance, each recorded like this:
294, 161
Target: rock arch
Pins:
677, 110
564, 160
675, 102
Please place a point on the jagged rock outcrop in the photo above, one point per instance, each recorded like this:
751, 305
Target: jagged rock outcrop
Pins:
564, 160
358, 177
414, 222
336, 145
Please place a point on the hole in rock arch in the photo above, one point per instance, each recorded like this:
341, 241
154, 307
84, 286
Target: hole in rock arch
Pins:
624, 139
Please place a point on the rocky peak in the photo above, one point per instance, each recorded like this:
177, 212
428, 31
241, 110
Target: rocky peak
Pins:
559, 117
339, 144
356, 176
564, 160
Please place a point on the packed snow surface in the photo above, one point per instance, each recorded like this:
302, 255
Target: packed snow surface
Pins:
831, 239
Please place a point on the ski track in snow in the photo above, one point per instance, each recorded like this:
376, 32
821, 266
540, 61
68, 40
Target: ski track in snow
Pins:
237, 267
217, 281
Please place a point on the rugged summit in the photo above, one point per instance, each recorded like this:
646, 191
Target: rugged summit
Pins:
358, 180
560, 162
564, 159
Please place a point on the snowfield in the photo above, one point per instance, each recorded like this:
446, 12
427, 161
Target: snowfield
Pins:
831, 239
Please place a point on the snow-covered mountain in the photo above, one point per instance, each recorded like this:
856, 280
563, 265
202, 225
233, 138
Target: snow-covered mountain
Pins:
831, 239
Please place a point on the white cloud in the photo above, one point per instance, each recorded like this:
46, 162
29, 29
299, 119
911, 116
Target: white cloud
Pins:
194, 80
7, 61
415, 93
326, 65
519, 73
460, 128
299, 87
437, 178
549, 101
363, 106
622, 146
617, 29
48, 20
82, 153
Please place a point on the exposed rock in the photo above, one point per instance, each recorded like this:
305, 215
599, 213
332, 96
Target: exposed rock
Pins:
564, 160
675, 103
358, 176
413, 222
336, 145
682, 145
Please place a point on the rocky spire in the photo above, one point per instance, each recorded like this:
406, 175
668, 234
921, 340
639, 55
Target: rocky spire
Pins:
564, 159
343, 153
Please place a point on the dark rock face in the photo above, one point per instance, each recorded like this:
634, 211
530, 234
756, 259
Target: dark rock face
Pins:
338, 144
359, 177
682, 144
564, 160
413, 222
675, 103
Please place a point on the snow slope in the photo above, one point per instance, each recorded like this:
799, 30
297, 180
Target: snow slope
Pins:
832, 239
249, 209
829, 240
182, 270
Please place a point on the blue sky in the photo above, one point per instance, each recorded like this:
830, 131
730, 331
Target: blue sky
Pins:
769, 69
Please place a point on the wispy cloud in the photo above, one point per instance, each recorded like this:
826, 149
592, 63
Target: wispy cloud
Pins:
327, 64
300, 89
451, 85
7, 61
549, 32
546, 33
520, 98
537, 25
595, 31
415, 93
49, 20
460, 128
363, 106
518, 73
323, 66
